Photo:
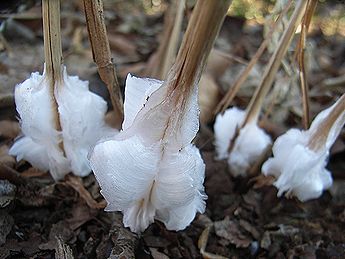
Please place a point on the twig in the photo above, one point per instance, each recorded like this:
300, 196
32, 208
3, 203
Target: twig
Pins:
101, 51
302, 74
254, 107
230, 95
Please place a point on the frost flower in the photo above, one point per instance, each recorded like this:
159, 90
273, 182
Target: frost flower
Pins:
80, 114
300, 157
150, 170
249, 145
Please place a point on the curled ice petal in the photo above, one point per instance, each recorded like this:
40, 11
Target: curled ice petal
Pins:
82, 121
225, 128
300, 167
150, 170
251, 142
81, 115
299, 171
40, 143
137, 93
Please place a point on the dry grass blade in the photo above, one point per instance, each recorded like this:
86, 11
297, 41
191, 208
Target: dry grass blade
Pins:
230, 95
77, 184
254, 107
101, 51
300, 53
53, 51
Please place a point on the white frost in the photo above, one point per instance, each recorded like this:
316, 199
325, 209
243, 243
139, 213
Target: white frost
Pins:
250, 144
225, 129
299, 170
150, 170
81, 116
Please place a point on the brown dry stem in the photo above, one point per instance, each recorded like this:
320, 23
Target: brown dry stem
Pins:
202, 30
302, 74
231, 93
319, 137
254, 107
53, 52
101, 51
166, 53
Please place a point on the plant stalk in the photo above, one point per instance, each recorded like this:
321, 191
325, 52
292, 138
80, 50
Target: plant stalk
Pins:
101, 51
53, 53
300, 53
164, 58
202, 30
231, 93
254, 107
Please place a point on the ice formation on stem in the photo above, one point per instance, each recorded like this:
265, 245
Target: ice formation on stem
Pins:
300, 157
60, 118
249, 144
150, 170
237, 135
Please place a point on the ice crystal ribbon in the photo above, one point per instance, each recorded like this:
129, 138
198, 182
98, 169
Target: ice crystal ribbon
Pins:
150, 170
81, 115
300, 169
249, 145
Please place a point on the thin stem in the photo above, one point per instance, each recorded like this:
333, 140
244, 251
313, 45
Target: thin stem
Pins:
231, 93
319, 137
254, 107
174, 38
101, 51
53, 53
52, 40
302, 74
202, 30
163, 59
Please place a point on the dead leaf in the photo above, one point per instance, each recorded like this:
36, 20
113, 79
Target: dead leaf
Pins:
202, 243
230, 230
7, 193
158, 255
81, 214
262, 180
58, 231
77, 184
6, 223
63, 251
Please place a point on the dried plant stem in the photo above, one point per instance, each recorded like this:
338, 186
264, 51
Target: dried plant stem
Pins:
302, 74
319, 137
53, 51
230, 95
171, 51
101, 51
254, 107
202, 30
164, 57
